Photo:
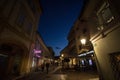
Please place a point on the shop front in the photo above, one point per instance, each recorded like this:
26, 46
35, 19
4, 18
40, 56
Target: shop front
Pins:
36, 59
86, 61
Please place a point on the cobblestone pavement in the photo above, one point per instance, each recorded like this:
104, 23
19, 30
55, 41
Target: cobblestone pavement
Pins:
72, 75
58, 74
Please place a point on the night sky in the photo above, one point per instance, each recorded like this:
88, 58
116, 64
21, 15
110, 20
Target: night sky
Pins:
57, 18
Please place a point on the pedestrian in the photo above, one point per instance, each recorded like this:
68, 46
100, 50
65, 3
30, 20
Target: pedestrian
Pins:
47, 67
42, 66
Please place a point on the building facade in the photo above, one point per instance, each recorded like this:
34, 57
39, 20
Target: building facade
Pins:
52, 53
18, 24
72, 47
103, 20
78, 52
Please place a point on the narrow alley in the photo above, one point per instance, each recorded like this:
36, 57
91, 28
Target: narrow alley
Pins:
59, 39
58, 74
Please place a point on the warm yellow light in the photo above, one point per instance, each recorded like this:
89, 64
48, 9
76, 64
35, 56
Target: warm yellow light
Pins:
83, 41
62, 55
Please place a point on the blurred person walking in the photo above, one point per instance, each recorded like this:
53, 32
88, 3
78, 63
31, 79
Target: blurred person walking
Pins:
47, 66
42, 67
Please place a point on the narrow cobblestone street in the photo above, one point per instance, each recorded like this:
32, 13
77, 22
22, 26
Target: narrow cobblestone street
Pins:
58, 74
59, 40
72, 76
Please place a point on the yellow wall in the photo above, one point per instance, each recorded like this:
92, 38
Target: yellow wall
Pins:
103, 47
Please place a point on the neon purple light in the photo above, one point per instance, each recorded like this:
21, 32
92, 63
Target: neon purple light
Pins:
38, 56
37, 51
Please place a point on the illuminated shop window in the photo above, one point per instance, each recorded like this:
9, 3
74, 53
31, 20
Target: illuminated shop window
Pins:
83, 62
90, 62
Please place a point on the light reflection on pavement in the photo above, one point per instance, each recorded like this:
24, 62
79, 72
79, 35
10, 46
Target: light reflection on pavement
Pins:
71, 77
59, 74
56, 77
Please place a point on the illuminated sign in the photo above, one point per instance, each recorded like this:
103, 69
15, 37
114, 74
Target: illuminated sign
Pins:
84, 54
37, 51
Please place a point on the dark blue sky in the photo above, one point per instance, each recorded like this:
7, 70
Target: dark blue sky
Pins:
56, 20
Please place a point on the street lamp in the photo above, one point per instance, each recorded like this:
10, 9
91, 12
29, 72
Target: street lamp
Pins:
62, 55
83, 41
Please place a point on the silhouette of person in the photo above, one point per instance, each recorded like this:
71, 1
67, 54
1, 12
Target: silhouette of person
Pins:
47, 67
42, 66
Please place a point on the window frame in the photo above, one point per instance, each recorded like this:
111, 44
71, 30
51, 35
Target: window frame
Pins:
102, 11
